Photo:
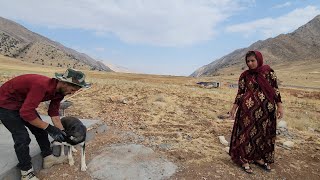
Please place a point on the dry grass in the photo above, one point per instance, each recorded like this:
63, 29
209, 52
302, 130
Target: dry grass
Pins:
304, 73
302, 109
173, 98
172, 111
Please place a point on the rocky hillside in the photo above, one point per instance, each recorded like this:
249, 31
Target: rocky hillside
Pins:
18, 42
117, 68
301, 45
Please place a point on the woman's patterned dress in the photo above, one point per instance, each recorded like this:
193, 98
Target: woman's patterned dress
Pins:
254, 131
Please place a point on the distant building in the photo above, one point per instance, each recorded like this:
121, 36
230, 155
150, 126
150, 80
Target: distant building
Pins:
209, 84
233, 85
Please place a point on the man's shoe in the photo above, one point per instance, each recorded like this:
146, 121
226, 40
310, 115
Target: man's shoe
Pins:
51, 160
28, 175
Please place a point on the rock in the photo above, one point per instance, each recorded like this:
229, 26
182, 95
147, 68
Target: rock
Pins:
283, 124
282, 129
179, 136
309, 138
130, 162
288, 144
165, 146
124, 101
119, 99
223, 116
226, 149
311, 129
213, 131
223, 140
143, 126
294, 166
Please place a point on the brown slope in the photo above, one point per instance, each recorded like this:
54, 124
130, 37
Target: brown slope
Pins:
18, 42
301, 45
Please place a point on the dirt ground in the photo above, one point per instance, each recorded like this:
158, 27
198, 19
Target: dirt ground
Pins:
182, 121
178, 119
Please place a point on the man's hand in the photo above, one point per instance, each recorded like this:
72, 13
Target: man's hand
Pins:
56, 133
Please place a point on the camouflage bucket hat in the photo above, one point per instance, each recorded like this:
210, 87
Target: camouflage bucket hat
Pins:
73, 77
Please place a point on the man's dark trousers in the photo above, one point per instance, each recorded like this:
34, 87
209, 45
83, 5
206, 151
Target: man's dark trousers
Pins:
17, 126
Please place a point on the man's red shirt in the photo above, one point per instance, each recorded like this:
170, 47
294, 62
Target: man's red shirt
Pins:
25, 92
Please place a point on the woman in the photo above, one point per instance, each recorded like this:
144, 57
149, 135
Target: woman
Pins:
255, 110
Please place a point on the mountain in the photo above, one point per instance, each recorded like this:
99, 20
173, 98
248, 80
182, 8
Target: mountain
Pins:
19, 42
301, 45
117, 68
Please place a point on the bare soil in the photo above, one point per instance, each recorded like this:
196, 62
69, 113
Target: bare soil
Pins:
183, 121
178, 119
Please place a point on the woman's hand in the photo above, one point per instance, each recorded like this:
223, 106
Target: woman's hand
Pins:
279, 110
233, 111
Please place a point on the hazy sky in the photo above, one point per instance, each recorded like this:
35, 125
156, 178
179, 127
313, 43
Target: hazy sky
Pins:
172, 37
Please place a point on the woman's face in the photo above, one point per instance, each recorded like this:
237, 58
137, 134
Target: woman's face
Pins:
252, 62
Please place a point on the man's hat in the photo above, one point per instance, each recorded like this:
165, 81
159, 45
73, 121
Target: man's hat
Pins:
73, 76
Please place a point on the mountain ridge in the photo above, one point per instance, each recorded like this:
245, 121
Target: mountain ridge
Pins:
19, 42
301, 44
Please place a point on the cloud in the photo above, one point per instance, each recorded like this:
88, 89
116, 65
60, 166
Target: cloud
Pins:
269, 27
278, 6
160, 23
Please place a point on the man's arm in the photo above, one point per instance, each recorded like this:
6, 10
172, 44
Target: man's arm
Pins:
57, 122
39, 123
53, 112
43, 125
31, 102
55, 132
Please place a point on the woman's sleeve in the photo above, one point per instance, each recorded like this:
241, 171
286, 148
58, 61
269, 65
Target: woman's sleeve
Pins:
241, 89
274, 83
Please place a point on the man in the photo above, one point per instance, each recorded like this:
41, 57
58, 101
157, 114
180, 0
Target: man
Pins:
19, 98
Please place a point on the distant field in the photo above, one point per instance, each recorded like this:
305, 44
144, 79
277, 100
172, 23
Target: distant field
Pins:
306, 74
290, 74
